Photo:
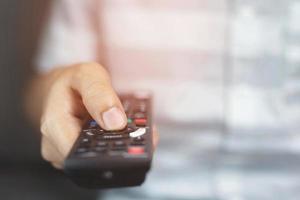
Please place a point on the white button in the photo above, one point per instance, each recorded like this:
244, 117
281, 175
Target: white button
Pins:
138, 132
90, 133
107, 174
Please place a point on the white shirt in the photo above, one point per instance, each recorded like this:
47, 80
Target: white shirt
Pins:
173, 48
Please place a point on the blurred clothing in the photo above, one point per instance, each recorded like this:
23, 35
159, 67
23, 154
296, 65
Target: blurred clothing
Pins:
176, 52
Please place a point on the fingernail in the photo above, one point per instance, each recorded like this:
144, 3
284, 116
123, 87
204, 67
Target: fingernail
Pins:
113, 119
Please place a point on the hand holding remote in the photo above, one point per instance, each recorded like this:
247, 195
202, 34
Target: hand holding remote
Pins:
73, 94
120, 158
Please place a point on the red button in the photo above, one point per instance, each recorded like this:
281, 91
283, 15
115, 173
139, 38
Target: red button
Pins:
136, 150
140, 122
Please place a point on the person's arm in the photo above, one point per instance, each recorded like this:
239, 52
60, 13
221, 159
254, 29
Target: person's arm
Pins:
62, 98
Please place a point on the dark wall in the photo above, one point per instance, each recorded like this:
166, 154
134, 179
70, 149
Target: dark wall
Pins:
20, 24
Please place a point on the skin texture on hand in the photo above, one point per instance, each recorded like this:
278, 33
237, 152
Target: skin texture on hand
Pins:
68, 96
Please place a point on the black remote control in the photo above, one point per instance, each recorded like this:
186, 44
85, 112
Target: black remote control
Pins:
108, 159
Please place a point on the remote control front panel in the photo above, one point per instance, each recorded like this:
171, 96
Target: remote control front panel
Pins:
107, 159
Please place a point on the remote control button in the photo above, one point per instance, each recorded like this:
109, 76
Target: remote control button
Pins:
129, 115
139, 132
137, 143
107, 175
139, 115
85, 140
126, 105
81, 150
141, 106
93, 124
101, 144
129, 120
85, 143
140, 122
138, 139
114, 136
119, 143
90, 130
100, 149
117, 150
99, 131
134, 150
89, 133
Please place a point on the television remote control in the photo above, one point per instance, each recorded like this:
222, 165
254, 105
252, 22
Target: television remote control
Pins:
108, 159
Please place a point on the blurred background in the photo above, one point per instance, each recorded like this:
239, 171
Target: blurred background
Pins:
251, 150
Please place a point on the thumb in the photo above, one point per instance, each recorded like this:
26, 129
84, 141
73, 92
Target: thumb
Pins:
93, 84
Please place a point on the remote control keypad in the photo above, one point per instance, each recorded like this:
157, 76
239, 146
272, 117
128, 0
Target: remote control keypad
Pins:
97, 141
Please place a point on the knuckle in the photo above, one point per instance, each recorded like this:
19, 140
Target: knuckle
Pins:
46, 124
44, 128
45, 153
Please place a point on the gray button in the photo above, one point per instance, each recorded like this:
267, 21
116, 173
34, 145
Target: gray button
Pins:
88, 154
